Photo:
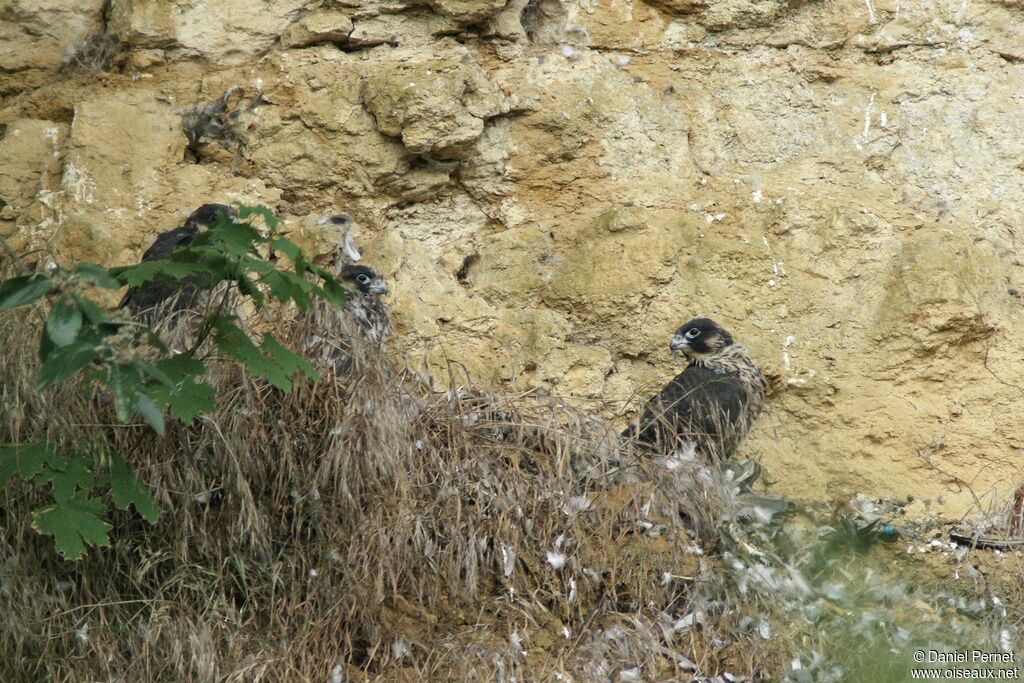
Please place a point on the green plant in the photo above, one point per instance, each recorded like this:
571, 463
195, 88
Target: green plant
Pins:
136, 367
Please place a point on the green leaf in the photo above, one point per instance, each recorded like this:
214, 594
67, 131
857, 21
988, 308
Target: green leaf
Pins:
287, 359
64, 322
153, 372
332, 292
46, 345
123, 381
289, 249
96, 275
249, 288
62, 362
150, 270
321, 272
230, 339
237, 239
240, 568
234, 342
181, 393
73, 523
109, 327
280, 288
218, 265
286, 286
256, 264
91, 310
26, 459
186, 399
151, 413
246, 212
154, 339
180, 366
67, 477
19, 291
126, 489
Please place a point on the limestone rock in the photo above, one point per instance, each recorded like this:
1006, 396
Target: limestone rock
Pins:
679, 6
123, 180
437, 108
541, 22
724, 14
221, 31
416, 27
116, 144
318, 27
612, 265
468, 11
38, 35
144, 59
32, 151
313, 136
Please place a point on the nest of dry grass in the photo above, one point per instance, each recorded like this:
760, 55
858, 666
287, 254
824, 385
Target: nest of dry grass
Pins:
375, 526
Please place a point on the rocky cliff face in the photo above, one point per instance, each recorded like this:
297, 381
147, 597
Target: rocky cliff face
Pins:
552, 186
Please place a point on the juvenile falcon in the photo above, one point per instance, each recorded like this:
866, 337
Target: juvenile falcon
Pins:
364, 318
364, 304
172, 295
712, 404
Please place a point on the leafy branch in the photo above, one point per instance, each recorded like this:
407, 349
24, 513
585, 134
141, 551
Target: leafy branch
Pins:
131, 361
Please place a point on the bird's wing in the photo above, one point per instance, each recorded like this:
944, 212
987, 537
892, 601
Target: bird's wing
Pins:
157, 291
147, 295
167, 242
697, 403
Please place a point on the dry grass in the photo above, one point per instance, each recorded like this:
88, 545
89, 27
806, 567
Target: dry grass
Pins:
377, 527
370, 527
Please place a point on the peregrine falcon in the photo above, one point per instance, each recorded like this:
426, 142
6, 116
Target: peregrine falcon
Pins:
180, 294
364, 316
364, 305
712, 404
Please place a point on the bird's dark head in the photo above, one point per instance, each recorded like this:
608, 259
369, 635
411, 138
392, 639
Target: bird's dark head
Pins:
364, 278
699, 338
207, 214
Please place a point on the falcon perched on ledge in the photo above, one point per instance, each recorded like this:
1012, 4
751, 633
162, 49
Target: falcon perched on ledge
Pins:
364, 305
712, 404
364, 318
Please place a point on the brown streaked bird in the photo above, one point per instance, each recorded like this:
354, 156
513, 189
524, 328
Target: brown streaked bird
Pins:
364, 304
364, 318
712, 404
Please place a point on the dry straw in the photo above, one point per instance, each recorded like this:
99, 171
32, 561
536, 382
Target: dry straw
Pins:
375, 526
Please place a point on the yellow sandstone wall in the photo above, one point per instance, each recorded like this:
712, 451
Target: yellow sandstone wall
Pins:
552, 186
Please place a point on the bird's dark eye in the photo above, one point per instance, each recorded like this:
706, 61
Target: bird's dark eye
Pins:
363, 279
692, 333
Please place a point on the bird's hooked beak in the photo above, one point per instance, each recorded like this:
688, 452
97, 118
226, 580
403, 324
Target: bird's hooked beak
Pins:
378, 287
679, 343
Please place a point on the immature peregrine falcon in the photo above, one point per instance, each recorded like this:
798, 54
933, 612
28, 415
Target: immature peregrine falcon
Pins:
364, 317
713, 403
364, 305
178, 294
